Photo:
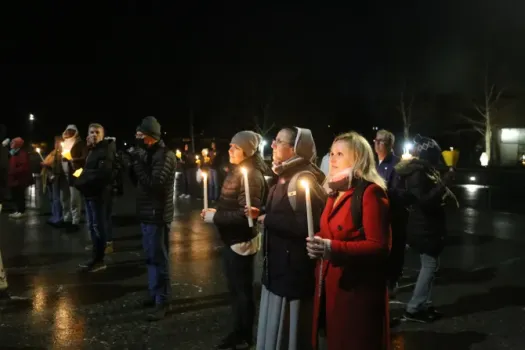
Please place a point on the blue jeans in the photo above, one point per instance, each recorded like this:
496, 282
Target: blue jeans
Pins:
56, 204
155, 240
97, 225
109, 221
421, 296
213, 189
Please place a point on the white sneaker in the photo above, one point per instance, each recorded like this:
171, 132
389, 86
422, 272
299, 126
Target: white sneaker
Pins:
17, 215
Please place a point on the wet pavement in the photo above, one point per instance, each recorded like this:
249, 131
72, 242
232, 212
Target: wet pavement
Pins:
481, 287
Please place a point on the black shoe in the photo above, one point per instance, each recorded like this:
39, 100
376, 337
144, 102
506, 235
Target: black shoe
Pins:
420, 316
158, 313
92, 266
433, 313
72, 228
234, 341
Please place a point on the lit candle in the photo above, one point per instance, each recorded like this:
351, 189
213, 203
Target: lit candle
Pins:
247, 194
40, 154
309, 215
205, 189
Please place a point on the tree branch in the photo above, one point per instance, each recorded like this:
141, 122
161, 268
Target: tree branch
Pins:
472, 121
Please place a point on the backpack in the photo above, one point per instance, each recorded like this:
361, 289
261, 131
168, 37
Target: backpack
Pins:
315, 187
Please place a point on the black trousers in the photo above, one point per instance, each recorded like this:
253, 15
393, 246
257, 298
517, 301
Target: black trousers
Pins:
396, 261
239, 276
18, 194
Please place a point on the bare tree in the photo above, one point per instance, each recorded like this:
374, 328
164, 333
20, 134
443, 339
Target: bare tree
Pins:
262, 124
486, 110
405, 108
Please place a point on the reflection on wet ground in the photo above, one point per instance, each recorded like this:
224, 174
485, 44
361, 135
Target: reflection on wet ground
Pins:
481, 287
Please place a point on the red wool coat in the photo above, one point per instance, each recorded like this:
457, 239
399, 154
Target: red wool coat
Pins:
353, 279
19, 173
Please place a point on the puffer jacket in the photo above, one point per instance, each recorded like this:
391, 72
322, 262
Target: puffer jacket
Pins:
425, 194
230, 219
153, 170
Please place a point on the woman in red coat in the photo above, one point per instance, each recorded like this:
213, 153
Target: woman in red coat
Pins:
351, 301
19, 176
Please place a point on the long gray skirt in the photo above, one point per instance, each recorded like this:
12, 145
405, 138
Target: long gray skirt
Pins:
284, 324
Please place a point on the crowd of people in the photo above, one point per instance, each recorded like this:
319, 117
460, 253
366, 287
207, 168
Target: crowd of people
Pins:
323, 287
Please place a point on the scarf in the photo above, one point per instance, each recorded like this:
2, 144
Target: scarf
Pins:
340, 181
295, 160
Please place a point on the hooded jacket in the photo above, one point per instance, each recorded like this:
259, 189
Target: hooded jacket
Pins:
78, 150
230, 219
424, 194
288, 271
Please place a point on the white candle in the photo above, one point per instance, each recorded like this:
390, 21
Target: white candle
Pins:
309, 215
247, 194
40, 154
205, 189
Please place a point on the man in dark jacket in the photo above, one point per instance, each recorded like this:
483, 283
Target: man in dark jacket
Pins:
387, 160
153, 169
94, 183
4, 163
426, 193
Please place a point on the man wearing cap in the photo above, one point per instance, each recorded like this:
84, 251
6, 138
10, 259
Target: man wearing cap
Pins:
153, 170
74, 152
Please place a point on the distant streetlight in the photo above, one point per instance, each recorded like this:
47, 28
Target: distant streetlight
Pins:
31, 117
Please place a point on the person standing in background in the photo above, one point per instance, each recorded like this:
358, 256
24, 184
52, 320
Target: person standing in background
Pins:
4, 164
76, 151
19, 176
52, 164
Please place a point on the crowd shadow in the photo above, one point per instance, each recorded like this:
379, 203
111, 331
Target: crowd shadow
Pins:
38, 260
428, 340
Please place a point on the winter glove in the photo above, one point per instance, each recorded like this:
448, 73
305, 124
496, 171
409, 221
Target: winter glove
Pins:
318, 247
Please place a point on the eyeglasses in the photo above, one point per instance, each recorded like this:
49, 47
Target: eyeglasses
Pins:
281, 142
379, 141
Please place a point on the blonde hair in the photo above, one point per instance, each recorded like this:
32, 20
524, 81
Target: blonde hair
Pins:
365, 164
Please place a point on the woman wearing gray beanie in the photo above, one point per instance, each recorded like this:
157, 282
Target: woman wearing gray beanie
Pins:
239, 239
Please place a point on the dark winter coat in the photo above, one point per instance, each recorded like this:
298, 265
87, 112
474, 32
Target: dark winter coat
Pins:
153, 170
288, 271
424, 195
230, 219
96, 177
78, 153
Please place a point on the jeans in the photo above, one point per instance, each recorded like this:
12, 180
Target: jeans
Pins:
213, 189
239, 276
71, 202
155, 241
97, 225
421, 296
109, 221
56, 204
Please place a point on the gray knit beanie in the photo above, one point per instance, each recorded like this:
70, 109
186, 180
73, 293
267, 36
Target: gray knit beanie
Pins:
151, 127
248, 141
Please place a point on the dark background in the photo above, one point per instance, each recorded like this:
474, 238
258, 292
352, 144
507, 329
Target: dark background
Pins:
328, 68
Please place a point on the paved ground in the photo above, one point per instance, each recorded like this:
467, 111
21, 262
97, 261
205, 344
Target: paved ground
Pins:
481, 288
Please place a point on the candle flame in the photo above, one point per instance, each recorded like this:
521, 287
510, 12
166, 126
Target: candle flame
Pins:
244, 171
305, 184
203, 174
196, 157
38, 150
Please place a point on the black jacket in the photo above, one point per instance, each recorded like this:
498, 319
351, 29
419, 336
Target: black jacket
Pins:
79, 153
424, 196
229, 218
288, 271
96, 178
153, 170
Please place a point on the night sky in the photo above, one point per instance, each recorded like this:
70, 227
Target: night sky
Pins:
309, 65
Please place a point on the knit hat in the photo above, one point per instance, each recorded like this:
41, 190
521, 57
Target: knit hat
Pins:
427, 149
17, 143
248, 141
151, 127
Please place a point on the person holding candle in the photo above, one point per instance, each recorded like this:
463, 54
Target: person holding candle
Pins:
52, 164
285, 316
239, 238
153, 171
74, 152
351, 249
